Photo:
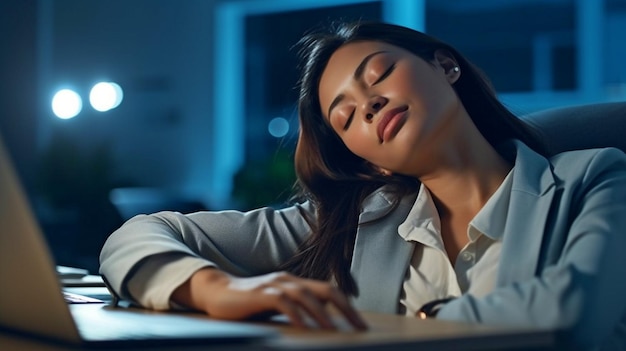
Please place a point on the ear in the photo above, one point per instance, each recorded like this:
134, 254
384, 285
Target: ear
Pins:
447, 62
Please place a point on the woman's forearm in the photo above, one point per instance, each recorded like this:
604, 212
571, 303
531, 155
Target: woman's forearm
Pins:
196, 291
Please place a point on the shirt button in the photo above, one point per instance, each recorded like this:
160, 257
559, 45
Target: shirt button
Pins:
466, 256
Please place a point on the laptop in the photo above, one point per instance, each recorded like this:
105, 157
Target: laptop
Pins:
32, 302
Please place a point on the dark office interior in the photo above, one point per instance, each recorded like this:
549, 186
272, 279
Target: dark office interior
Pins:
199, 129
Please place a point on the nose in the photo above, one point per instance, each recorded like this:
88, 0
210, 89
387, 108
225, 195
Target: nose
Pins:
374, 104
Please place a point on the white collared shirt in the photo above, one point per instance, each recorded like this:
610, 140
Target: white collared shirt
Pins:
430, 275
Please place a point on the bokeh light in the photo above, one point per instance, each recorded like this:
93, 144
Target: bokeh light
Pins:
105, 96
66, 104
278, 127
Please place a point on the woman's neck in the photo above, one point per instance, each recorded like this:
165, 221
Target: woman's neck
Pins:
467, 177
461, 186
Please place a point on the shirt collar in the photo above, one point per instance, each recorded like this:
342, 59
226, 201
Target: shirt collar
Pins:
491, 219
423, 224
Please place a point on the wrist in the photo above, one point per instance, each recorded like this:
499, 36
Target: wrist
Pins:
194, 292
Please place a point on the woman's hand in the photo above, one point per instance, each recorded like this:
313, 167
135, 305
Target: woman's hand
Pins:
226, 297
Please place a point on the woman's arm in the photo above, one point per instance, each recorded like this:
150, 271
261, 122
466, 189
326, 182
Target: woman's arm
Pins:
166, 248
173, 259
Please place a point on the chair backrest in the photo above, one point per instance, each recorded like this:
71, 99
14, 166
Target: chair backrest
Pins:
582, 127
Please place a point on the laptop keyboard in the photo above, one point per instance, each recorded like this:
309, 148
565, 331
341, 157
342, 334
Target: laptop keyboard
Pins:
75, 298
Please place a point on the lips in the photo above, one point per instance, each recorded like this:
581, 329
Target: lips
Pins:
389, 122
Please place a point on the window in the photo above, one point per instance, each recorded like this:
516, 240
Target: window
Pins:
538, 54
256, 72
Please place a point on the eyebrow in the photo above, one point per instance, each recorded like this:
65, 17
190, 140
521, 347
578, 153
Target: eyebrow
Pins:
358, 74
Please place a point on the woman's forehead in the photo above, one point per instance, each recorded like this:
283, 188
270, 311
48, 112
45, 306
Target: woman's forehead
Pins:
363, 47
348, 56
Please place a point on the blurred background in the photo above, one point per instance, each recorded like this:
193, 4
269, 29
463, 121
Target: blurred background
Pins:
198, 109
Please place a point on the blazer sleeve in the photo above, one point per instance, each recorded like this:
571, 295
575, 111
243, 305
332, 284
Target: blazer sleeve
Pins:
164, 249
583, 293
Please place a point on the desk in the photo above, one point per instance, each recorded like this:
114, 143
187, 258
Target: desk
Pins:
387, 332
393, 332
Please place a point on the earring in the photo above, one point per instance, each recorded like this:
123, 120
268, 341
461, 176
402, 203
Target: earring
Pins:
456, 68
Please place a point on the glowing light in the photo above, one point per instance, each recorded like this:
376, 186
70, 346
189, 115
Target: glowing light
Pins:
66, 104
105, 96
278, 127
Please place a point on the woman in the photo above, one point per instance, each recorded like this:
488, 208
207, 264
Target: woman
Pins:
424, 196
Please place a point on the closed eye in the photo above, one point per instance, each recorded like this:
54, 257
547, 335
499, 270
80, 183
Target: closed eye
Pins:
386, 74
345, 127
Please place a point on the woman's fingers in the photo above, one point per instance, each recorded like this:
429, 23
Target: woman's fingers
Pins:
309, 302
330, 294
314, 295
286, 306
341, 302
297, 298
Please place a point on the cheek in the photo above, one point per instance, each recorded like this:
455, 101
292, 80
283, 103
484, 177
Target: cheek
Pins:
356, 146
433, 101
359, 144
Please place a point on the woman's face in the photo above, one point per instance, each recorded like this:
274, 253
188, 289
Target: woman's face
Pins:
389, 106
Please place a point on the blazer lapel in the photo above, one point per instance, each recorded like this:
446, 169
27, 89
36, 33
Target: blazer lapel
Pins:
531, 199
381, 255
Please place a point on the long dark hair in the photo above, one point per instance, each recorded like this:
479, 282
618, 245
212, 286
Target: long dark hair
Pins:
336, 180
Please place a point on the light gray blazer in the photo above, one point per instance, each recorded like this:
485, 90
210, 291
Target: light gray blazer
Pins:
562, 265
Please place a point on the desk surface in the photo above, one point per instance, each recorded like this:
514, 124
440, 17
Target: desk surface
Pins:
402, 333
385, 331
